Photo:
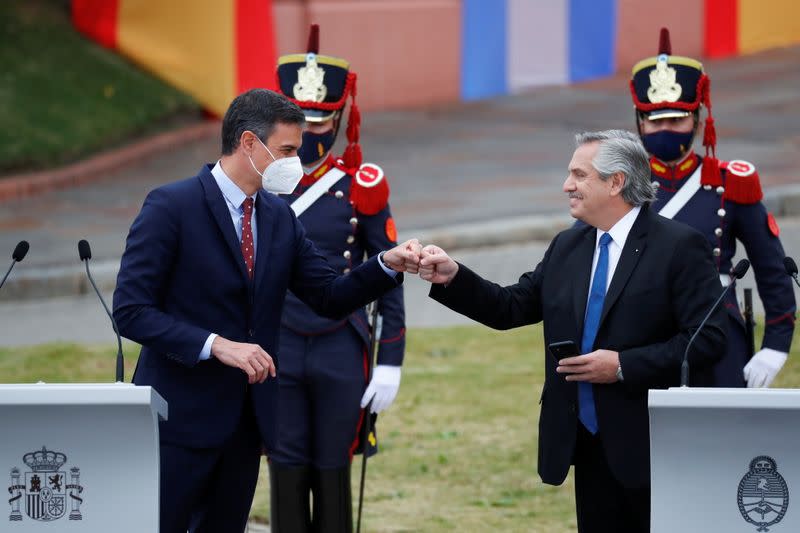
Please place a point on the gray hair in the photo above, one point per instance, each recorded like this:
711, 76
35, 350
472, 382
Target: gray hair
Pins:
622, 151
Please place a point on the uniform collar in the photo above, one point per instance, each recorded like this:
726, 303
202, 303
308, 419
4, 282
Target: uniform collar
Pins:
679, 172
310, 178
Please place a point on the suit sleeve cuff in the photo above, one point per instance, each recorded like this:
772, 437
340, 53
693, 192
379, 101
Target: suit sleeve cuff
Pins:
389, 271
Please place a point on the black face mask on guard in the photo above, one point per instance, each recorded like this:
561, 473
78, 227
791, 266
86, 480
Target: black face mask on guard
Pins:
316, 145
668, 145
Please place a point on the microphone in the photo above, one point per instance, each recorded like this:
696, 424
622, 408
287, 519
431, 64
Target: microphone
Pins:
84, 250
18, 255
791, 268
85, 253
738, 272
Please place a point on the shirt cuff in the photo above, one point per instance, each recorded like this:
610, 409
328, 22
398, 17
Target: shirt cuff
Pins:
389, 271
205, 353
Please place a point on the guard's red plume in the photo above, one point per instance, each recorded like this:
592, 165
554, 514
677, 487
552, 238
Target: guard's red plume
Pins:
664, 46
313, 39
710, 174
352, 154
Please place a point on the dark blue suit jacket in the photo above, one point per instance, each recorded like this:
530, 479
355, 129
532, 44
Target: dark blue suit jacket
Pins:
183, 277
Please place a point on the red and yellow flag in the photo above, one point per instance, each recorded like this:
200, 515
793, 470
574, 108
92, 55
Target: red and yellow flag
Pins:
211, 49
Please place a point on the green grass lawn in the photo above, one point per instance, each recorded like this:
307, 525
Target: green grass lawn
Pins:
458, 445
63, 97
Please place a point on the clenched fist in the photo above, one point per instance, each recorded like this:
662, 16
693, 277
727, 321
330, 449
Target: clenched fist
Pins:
436, 266
404, 257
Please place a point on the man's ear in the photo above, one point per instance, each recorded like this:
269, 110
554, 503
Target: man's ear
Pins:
247, 140
617, 183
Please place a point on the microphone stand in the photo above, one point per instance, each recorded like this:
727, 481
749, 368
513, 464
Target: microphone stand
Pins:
13, 262
737, 273
120, 374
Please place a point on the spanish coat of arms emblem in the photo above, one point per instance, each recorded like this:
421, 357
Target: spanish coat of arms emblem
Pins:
45, 489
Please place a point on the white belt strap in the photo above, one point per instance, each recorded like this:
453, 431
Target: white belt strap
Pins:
319, 188
683, 195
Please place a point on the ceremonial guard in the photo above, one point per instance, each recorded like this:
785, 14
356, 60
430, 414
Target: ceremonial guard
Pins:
323, 363
721, 199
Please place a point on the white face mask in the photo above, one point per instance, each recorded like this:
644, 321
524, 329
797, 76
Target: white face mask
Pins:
282, 175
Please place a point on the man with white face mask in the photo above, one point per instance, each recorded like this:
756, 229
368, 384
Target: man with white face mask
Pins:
201, 287
344, 206
282, 175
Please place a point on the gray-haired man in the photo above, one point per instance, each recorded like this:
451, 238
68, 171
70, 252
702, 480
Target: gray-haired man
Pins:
629, 288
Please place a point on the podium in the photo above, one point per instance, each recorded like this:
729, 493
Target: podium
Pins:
725, 460
80, 457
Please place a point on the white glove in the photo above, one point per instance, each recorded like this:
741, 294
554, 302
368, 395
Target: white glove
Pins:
763, 367
383, 387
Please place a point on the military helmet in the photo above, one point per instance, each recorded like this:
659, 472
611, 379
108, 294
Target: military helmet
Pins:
670, 86
666, 85
320, 85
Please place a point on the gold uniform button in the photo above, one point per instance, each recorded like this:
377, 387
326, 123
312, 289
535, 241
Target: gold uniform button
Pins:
354, 221
350, 239
346, 254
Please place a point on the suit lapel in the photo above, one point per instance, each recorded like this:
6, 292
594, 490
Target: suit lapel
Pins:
634, 247
582, 267
264, 224
222, 216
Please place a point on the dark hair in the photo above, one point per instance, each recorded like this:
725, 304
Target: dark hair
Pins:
257, 110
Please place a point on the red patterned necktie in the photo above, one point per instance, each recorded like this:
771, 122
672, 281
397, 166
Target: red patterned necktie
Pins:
247, 235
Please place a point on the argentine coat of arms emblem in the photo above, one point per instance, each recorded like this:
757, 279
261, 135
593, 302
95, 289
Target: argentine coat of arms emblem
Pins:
763, 496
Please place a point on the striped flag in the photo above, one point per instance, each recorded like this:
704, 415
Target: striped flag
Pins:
211, 49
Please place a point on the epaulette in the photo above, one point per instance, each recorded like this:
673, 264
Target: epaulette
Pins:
369, 189
742, 184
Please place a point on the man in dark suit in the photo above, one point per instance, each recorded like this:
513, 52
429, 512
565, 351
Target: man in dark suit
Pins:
652, 283
201, 287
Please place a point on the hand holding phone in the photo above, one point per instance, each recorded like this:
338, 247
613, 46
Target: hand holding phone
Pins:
560, 350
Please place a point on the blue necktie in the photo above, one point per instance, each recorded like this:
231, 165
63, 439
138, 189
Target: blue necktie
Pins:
594, 309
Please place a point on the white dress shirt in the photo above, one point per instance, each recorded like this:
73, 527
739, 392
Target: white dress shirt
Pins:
234, 198
619, 234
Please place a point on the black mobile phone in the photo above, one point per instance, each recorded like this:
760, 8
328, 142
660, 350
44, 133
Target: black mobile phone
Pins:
560, 350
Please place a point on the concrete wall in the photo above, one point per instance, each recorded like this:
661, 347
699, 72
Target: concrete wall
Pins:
406, 52
640, 22
423, 53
